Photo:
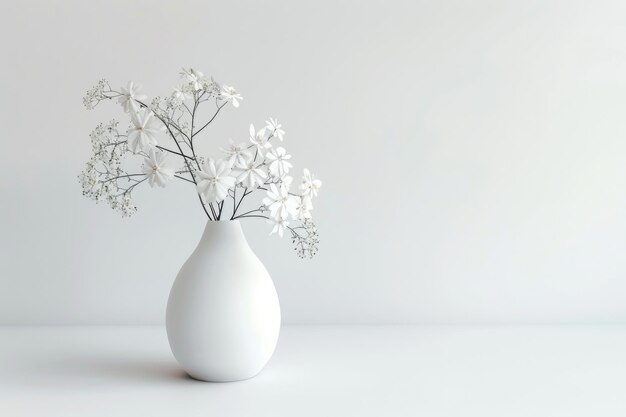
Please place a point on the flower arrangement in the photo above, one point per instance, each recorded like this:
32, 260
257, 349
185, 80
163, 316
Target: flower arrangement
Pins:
167, 128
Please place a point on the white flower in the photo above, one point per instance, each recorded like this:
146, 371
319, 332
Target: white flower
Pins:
238, 155
214, 180
130, 95
279, 202
145, 127
249, 175
179, 94
259, 139
193, 77
310, 186
279, 226
286, 181
156, 168
275, 126
303, 208
229, 93
278, 161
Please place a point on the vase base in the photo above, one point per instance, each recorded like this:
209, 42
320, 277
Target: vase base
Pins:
219, 380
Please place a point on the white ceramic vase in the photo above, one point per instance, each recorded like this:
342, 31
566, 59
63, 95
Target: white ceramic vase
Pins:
223, 315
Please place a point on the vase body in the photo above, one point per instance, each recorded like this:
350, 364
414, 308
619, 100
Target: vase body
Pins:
223, 314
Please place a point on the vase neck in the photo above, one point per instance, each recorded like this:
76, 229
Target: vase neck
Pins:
222, 233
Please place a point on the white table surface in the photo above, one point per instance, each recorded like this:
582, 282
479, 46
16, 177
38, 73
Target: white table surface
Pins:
323, 371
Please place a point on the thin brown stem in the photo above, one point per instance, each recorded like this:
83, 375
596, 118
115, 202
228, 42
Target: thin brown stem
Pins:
183, 178
209, 122
174, 152
246, 214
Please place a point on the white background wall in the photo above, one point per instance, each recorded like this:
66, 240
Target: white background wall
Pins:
473, 156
